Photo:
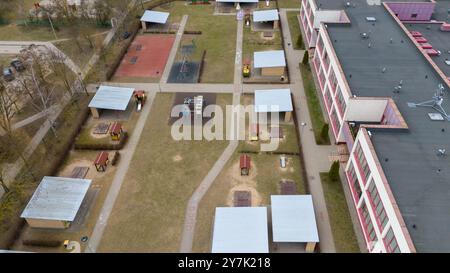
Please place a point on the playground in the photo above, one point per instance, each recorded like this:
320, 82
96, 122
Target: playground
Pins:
146, 57
185, 70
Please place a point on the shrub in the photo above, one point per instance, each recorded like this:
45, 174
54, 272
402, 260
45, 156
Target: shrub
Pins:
305, 60
99, 146
333, 174
300, 41
116, 158
324, 133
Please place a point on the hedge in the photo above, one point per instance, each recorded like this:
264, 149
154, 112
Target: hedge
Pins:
103, 146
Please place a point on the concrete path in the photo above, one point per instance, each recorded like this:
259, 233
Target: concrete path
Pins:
126, 156
174, 50
190, 221
316, 156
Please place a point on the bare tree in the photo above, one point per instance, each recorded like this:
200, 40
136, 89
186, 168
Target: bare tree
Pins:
2, 182
7, 112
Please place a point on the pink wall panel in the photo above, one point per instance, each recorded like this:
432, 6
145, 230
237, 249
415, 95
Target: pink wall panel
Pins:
406, 11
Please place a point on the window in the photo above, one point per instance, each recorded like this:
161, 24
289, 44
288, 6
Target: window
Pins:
354, 182
333, 81
390, 242
368, 225
377, 204
341, 101
362, 162
329, 100
414, 15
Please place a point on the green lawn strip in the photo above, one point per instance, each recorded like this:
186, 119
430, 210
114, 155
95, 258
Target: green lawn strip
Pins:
341, 223
294, 29
295, 4
314, 107
148, 215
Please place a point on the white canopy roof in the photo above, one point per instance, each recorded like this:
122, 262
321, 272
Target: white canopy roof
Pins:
112, 98
158, 17
265, 15
273, 58
240, 230
57, 198
273, 101
293, 219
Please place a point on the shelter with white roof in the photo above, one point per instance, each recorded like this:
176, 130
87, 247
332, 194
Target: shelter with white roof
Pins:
240, 230
294, 220
269, 16
274, 101
154, 17
110, 98
56, 202
271, 63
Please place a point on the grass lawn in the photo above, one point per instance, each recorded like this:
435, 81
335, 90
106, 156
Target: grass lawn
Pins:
218, 38
80, 54
294, 29
254, 42
14, 32
341, 223
289, 4
264, 182
314, 107
148, 215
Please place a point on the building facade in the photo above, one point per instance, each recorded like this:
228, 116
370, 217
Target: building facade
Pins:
352, 118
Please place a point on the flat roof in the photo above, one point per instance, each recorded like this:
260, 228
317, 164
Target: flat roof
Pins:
151, 16
438, 39
240, 230
57, 198
409, 157
272, 58
293, 219
237, 1
273, 100
265, 15
112, 98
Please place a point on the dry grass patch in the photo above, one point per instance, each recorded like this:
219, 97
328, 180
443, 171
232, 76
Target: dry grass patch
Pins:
148, 215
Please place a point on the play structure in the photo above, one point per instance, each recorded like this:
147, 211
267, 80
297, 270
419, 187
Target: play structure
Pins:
101, 161
254, 132
246, 68
116, 131
139, 98
186, 52
244, 164
195, 104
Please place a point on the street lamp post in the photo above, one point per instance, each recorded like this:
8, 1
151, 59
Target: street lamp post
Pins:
302, 128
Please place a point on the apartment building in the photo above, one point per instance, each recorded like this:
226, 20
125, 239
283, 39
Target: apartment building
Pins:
386, 98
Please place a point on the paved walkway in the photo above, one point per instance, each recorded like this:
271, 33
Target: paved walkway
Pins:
192, 206
316, 156
173, 52
126, 156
